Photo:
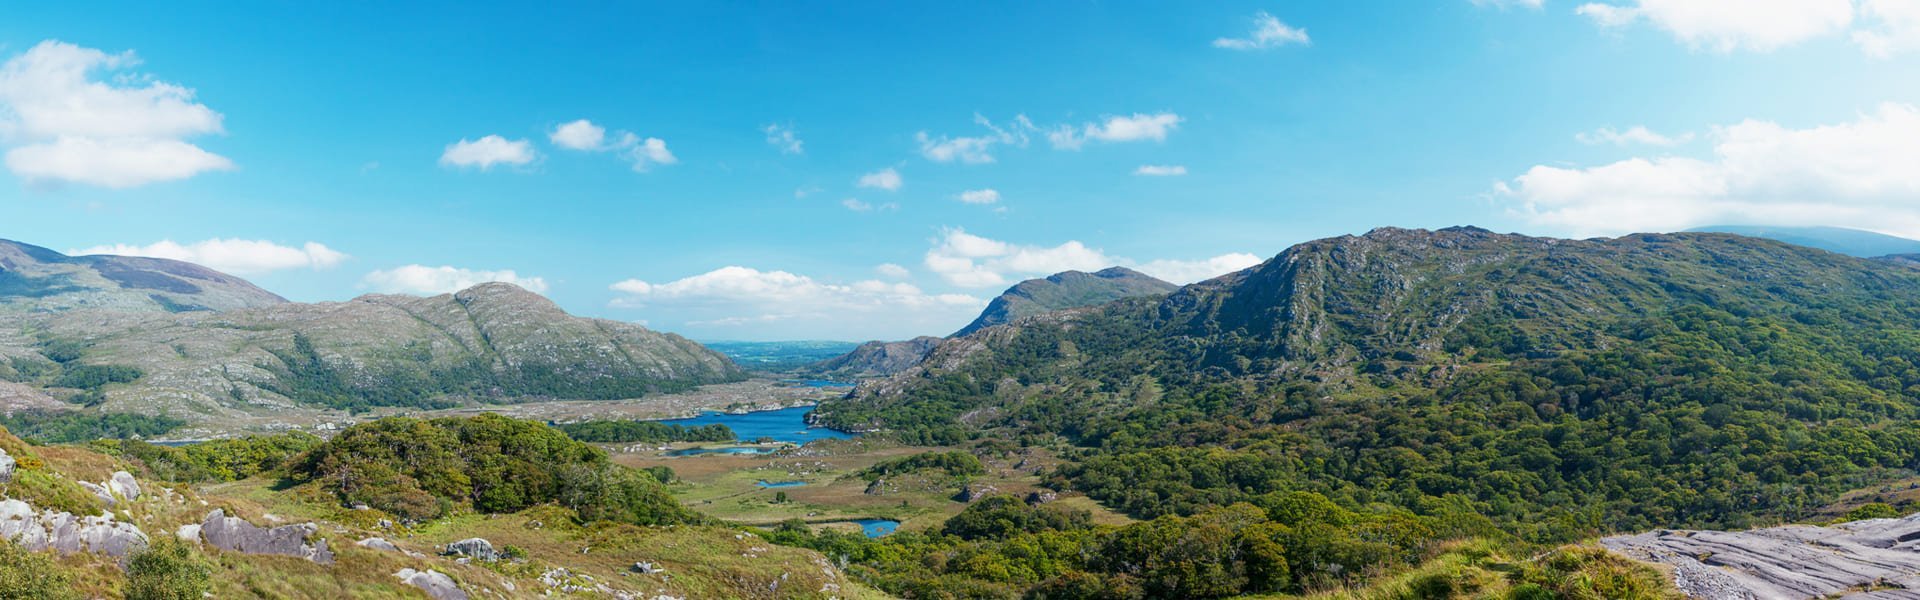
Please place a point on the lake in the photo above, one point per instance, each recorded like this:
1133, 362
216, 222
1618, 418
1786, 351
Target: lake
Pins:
786, 425
877, 527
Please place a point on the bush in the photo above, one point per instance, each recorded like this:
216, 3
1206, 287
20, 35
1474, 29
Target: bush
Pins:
167, 570
26, 575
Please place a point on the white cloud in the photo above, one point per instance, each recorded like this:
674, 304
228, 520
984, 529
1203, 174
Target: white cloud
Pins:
1725, 26
986, 196
975, 149
1161, 170
1129, 128
645, 152
1189, 271
64, 126
578, 135
1897, 27
421, 279
487, 152
893, 271
584, 135
1268, 32
972, 261
235, 256
1859, 174
736, 296
782, 137
1534, 4
1636, 135
885, 179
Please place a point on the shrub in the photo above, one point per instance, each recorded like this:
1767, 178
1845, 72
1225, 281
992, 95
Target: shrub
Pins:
167, 570
26, 575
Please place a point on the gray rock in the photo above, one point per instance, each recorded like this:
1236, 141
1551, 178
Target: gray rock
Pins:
66, 533
122, 484
476, 548
6, 467
236, 534
99, 492
1791, 561
188, 533
377, 544
437, 585
973, 492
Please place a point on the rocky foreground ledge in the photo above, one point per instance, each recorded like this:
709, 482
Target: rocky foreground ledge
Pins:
1868, 559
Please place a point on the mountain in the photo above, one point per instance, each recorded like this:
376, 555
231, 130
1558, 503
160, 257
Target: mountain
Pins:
37, 279
1561, 388
875, 359
1064, 290
1851, 242
266, 366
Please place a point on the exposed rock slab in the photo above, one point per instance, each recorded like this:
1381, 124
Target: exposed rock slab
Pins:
1792, 561
66, 533
437, 585
476, 548
237, 535
6, 467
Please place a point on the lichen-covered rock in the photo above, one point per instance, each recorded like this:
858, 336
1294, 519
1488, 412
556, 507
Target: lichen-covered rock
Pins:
99, 492
66, 533
476, 548
1791, 561
236, 534
6, 467
123, 485
437, 585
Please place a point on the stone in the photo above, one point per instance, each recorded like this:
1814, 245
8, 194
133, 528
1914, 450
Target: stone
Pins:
188, 533
437, 585
647, 568
1790, 561
98, 492
65, 533
1042, 497
237, 535
973, 492
377, 544
476, 548
123, 485
6, 467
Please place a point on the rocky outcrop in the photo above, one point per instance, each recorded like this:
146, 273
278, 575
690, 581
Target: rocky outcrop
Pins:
237, 535
1064, 290
437, 585
1792, 561
6, 467
475, 548
875, 359
973, 492
66, 533
122, 484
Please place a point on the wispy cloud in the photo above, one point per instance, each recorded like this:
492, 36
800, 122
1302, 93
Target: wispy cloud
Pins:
486, 152
1268, 32
236, 256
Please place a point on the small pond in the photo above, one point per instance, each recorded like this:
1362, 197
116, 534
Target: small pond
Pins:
726, 450
877, 527
779, 484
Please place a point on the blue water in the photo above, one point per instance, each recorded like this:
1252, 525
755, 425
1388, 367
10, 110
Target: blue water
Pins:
816, 383
727, 450
877, 527
786, 425
779, 484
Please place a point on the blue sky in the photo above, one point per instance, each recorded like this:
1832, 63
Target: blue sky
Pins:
328, 151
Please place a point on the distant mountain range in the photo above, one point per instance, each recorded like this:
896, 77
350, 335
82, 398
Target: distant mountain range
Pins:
37, 279
151, 336
1851, 242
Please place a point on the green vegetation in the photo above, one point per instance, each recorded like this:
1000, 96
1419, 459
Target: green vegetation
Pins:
32, 575
230, 459
73, 427
957, 463
628, 431
167, 570
1432, 386
420, 469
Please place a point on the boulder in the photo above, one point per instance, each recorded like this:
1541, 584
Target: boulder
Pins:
6, 467
1790, 561
66, 533
437, 585
188, 533
99, 492
973, 492
237, 535
122, 484
475, 548
1042, 497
